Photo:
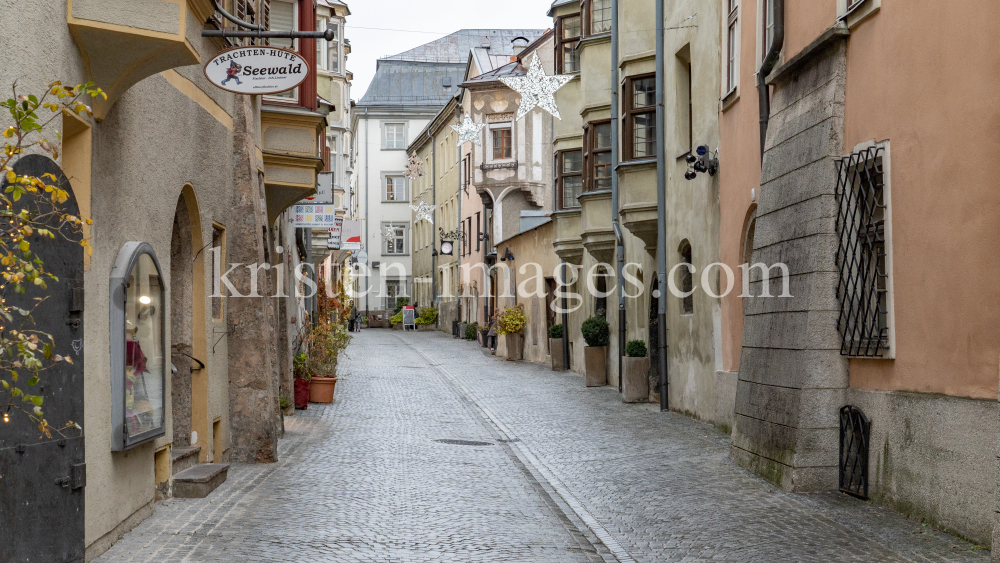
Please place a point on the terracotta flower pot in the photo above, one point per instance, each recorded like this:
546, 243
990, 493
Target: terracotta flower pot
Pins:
515, 346
321, 389
635, 382
556, 352
596, 364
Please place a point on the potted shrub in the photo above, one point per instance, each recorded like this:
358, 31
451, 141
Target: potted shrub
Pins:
510, 325
300, 371
325, 343
427, 318
597, 336
470, 331
635, 380
556, 346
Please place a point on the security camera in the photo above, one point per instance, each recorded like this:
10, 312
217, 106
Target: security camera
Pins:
690, 175
691, 159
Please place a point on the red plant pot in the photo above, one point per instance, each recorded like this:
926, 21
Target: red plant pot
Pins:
301, 393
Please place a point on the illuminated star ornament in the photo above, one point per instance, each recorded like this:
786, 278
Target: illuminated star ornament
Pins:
424, 211
414, 168
536, 88
388, 233
469, 131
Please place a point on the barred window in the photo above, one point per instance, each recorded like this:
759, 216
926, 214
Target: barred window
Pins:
863, 287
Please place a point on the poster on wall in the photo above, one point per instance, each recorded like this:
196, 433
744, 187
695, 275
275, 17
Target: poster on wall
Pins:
311, 215
257, 70
350, 235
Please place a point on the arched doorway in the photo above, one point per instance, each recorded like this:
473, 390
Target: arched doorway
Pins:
189, 379
654, 340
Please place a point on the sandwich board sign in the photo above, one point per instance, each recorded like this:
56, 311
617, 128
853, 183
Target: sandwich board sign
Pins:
408, 318
257, 70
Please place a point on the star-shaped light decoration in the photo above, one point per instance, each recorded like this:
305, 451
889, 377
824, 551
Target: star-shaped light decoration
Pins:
536, 88
414, 168
388, 233
424, 211
469, 131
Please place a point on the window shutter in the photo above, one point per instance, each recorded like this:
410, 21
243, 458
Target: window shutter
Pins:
282, 19
265, 17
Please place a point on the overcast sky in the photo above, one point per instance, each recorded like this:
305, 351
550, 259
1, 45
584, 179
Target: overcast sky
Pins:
439, 16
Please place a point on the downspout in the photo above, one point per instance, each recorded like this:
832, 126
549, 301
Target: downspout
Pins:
661, 215
367, 210
770, 60
565, 317
458, 255
615, 218
433, 219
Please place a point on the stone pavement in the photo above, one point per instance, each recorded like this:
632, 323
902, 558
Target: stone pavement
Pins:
568, 474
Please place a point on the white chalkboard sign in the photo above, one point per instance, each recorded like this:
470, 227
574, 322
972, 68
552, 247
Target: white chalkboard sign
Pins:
408, 318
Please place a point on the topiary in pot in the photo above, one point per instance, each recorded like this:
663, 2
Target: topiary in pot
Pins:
635, 349
596, 331
556, 331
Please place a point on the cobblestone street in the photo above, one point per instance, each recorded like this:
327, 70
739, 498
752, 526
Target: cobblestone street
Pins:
560, 473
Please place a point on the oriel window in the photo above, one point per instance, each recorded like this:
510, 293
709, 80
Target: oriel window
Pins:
598, 156
570, 178
640, 117
600, 16
502, 143
567, 57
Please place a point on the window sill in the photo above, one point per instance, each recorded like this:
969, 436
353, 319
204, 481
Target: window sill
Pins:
730, 98
385, 149
395, 201
636, 163
861, 11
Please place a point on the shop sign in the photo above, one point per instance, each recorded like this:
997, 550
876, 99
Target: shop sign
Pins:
350, 235
257, 70
315, 215
334, 241
324, 189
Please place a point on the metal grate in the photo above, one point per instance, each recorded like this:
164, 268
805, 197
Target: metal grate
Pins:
464, 442
855, 430
862, 288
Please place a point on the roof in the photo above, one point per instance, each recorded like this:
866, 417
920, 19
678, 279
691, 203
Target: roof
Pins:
454, 48
556, 4
509, 69
418, 77
407, 83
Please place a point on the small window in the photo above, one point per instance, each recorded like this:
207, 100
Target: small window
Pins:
567, 57
219, 244
862, 259
600, 16
394, 289
138, 360
502, 143
687, 280
570, 178
732, 47
395, 189
282, 17
767, 25
598, 156
397, 243
395, 136
640, 117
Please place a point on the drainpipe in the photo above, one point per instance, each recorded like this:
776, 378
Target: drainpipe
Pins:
367, 210
661, 214
433, 219
458, 254
565, 318
770, 60
615, 219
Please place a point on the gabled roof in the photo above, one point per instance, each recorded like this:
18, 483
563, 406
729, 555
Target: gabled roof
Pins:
557, 3
454, 48
509, 69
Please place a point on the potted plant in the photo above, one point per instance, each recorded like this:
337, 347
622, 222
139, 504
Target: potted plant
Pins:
510, 325
300, 371
325, 343
597, 336
427, 318
635, 380
556, 346
470, 331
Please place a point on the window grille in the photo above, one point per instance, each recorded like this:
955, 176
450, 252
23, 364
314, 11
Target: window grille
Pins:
862, 289
855, 431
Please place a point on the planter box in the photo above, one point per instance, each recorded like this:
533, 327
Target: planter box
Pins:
596, 365
635, 380
321, 389
515, 346
425, 328
301, 393
556, 352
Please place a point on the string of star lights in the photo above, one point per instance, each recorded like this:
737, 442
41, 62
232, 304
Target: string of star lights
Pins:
414, 168
388, 233
537, 88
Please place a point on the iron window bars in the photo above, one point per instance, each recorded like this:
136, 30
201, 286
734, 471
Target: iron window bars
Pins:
862, 289
855, 431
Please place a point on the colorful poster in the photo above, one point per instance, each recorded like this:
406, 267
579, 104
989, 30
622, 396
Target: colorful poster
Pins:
310, 215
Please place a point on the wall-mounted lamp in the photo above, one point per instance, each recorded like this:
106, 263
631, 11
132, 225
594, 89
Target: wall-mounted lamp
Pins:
507, 254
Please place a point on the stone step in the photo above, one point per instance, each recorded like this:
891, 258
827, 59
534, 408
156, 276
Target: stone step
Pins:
199, 481
183, 458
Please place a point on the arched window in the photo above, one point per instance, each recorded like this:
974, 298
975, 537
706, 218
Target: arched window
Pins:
687, 279
601, 298
138, 363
